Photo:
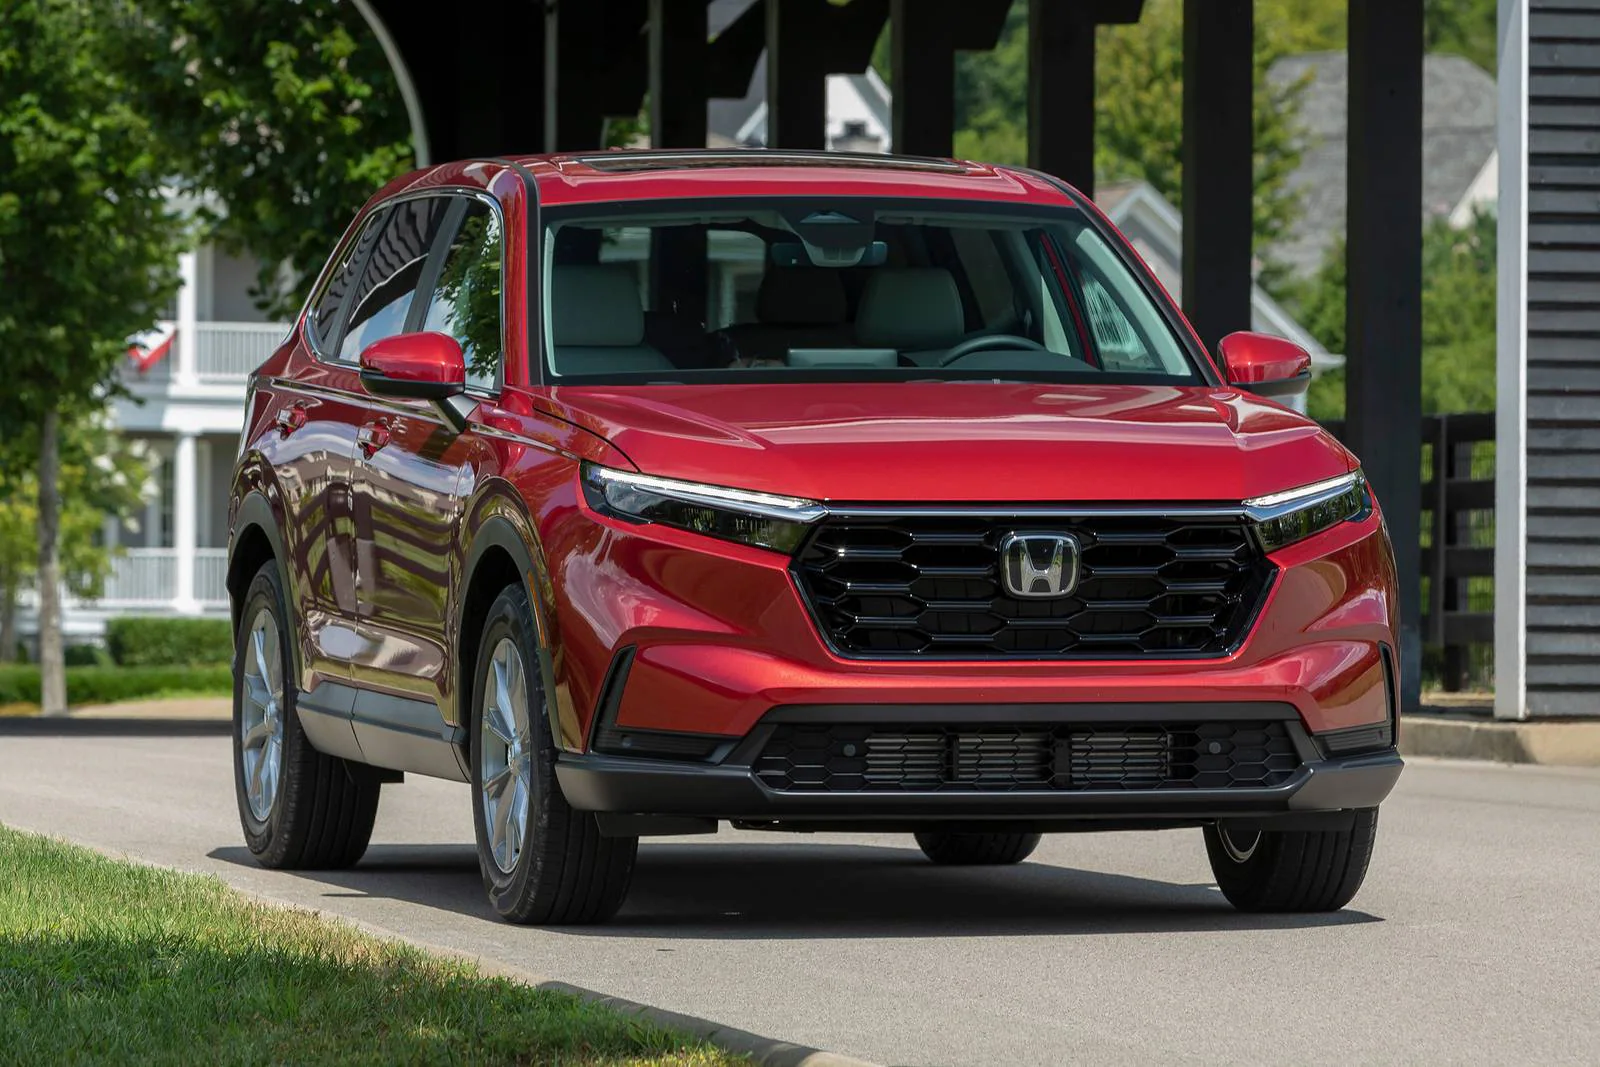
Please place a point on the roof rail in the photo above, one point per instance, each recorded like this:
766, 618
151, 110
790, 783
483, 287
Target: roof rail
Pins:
635, 159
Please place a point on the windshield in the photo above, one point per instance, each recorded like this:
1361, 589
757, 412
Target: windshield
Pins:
845, 290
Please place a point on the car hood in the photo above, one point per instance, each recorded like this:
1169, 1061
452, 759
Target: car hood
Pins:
969, 442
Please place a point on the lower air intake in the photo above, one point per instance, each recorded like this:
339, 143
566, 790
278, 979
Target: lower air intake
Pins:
856, 758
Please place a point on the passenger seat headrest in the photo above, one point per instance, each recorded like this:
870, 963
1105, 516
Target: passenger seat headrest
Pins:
910, 308
801, 296
595, 305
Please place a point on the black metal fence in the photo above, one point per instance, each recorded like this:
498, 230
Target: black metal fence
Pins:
1457, 549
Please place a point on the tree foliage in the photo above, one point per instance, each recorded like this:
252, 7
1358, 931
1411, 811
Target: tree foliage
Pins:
285, 115
88, 244
1458, 320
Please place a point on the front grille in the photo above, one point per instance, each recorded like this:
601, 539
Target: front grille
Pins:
858, 758
1148, 586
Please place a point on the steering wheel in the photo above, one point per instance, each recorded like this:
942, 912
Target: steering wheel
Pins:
984, 342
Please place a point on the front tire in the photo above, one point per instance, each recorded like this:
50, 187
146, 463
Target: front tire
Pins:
956, 849
300, 809
1292, 870
542, 861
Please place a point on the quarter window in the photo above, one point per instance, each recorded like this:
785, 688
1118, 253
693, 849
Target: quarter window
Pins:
466, 300
389, 279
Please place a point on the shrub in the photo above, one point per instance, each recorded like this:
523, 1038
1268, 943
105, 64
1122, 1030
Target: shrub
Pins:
86, 656
168, 642
19, 684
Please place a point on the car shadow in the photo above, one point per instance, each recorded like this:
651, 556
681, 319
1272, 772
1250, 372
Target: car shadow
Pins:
747, 890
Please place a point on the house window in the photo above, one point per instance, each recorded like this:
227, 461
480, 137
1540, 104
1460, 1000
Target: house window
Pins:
164, 522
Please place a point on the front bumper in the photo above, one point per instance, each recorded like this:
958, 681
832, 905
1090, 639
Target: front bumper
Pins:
726, 783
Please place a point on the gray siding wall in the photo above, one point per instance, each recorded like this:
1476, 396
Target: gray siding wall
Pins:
1563, 323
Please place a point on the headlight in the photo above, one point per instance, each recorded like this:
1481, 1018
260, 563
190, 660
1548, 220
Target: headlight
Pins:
1283, 518
763, 519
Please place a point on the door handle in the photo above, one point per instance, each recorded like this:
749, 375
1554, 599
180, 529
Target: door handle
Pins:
371, 437
291, 418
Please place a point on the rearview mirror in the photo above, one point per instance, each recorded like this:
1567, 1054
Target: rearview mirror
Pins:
1265, 365
428, 366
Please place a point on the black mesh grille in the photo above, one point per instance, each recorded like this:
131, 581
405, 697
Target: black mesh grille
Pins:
863, 758
1148, 586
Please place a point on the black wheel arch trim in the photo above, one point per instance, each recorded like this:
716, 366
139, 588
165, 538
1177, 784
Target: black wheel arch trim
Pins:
498, 531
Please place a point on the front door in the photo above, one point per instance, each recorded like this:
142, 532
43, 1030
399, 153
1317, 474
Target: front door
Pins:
414, 473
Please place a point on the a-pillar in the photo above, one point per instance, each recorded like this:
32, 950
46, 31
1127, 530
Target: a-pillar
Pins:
1383, 315
797, 75
185, 525
1061, 91
923, 70
1218, 186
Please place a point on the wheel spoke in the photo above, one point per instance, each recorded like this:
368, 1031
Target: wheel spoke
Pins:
517, 697
503, 816
258, 773
258, 643
497, 715
258, 735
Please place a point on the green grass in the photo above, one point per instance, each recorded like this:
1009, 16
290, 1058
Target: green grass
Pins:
110, 962
19, 683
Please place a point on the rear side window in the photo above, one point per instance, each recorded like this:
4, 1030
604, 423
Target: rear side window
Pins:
465, 302
382, 299
325, 312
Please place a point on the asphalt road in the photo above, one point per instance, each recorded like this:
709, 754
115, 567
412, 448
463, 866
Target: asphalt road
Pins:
1476, 938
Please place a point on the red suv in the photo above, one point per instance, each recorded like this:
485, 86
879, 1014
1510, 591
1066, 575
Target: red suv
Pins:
645, 491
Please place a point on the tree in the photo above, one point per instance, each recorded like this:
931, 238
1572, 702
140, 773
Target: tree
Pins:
1458, 320
102, 475
88, 253
286, 115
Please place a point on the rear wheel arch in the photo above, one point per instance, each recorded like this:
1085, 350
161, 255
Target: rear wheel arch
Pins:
499, 556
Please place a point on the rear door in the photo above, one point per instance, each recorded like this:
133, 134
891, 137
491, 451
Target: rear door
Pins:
311, 446
414, 474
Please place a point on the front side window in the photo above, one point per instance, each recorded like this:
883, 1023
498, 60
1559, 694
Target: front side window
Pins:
466, 299
846, 289
382, 298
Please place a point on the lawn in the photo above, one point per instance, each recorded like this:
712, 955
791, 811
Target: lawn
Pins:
110, 962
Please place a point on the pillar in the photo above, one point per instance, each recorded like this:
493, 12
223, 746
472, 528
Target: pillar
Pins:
185, 527
797, 75
923, 72
1061, 92
1218, 183
1383, 315
574, 50
188, 342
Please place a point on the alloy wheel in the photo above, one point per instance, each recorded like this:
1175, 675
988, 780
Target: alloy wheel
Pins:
261, 716
505, 755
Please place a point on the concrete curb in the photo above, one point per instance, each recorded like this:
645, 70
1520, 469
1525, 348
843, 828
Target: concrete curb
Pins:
763, 1050
1561, 744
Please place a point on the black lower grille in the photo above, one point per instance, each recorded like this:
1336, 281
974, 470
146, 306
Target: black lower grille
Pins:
1146, 586
865, 758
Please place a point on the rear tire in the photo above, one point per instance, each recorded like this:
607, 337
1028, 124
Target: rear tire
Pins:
957, 849
1292, 870
300, 809
542, 861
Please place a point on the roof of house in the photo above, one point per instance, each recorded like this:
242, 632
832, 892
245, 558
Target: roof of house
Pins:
742, 120
1458, 135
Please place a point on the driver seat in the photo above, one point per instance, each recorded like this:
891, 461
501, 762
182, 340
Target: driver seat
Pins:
913, 310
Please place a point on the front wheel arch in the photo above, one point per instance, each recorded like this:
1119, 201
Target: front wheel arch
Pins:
500, 557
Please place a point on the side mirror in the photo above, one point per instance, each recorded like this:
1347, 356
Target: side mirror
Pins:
428, 366
1265, 365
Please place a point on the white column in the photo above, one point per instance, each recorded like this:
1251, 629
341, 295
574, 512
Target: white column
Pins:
183, 370
185, 496
1511, 361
